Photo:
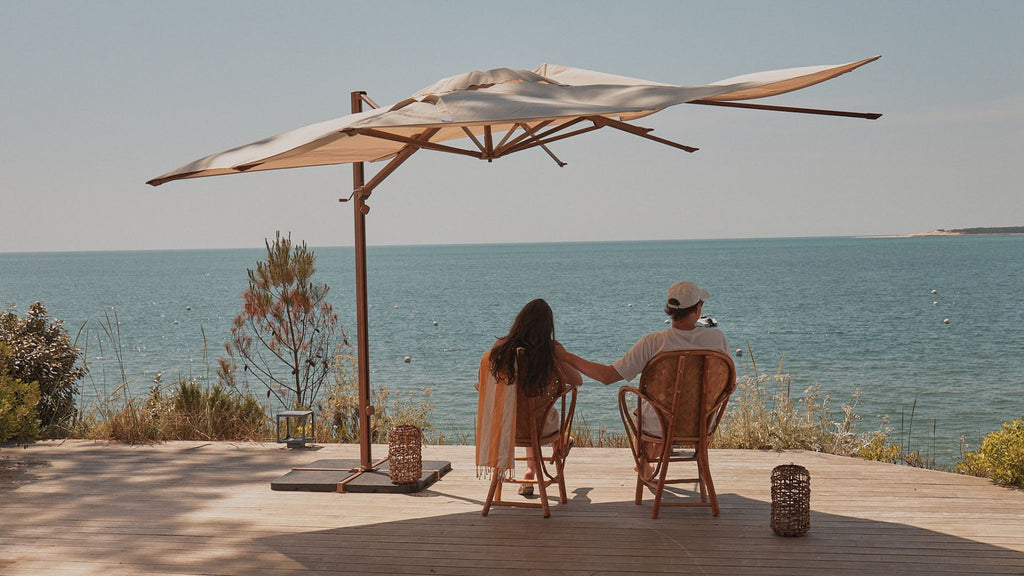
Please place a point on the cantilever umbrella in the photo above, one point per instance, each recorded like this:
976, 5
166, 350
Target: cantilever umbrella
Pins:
499, 112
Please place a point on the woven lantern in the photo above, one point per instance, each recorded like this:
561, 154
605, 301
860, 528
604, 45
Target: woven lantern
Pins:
405, 454
791, 500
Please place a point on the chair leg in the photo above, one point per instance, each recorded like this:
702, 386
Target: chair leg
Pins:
704, 467
496, 481
539, 476
563, 497
666, 453
640, 457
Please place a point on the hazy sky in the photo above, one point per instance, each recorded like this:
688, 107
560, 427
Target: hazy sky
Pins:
100, 96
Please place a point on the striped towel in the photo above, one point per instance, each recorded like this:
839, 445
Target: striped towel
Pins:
495, 424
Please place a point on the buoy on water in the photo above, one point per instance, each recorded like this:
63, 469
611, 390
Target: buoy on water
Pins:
435, 322
935, 291
408, 359
946, 321
739, 351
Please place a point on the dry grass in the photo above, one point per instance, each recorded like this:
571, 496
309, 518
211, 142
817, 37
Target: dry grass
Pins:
185, 411
763, 414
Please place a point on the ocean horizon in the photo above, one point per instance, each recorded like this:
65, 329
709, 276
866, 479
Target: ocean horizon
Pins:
845, 312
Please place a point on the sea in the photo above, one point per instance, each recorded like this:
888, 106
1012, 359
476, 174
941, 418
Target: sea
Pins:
927, 329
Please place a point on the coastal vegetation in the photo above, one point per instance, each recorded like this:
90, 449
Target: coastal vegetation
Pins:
39, 372
987, 230
287, 342
1000, 456
285, 335
764, 414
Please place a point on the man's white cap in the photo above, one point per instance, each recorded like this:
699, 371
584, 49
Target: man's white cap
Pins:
682, 295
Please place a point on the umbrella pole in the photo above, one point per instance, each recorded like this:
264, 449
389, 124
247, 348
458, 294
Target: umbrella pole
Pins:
359, 210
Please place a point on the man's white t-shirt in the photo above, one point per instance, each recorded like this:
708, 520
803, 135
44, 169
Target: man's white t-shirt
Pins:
633, 361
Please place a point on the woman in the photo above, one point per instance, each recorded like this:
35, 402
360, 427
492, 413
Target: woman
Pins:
533, 331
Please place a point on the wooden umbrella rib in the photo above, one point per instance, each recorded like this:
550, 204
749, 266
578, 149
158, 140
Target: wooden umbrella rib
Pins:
865, 115
533, 142
473, 138
641, 132
508, 134
532, 134
507, 144
514, 145
374, 133
398, 160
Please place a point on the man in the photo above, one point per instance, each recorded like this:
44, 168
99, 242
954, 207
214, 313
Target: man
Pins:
684, 304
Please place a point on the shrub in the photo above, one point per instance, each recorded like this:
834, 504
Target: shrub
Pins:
285, 334
759, 419
187, 411
18, 400
1000, 456
879, 448
38, 349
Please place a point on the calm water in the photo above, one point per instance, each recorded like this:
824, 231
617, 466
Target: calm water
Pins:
845, 312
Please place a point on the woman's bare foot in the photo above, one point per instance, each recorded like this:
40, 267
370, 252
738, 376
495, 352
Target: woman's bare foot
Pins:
527, 489
648, 471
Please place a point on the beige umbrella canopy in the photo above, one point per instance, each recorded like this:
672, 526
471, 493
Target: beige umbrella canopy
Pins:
499, 112
531, 107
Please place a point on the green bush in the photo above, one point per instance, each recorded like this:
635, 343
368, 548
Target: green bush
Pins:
38, 349
18, 400
1000, 456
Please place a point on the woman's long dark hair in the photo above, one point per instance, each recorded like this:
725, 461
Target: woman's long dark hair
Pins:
533, 330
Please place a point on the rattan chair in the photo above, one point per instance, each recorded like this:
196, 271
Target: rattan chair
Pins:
685, 393
549, 464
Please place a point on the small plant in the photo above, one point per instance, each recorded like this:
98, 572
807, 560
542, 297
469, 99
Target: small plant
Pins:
341, 409
584, 435
38, 349
1000, 456
18, 400
285, 333
185, 411
878, 447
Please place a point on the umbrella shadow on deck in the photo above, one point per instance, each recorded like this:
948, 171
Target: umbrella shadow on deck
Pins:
620, 538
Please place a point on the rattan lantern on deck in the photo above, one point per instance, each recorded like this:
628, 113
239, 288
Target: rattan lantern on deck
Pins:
791, 500
405, 454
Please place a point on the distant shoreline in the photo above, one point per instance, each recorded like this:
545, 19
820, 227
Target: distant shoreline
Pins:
1000, 231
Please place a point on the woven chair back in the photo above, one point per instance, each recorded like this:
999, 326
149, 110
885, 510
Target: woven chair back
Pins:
531, 412
693, 384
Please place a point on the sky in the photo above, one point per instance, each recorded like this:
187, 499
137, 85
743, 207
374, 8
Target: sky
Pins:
98, 97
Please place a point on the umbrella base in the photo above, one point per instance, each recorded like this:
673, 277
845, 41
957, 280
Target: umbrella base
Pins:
344, 476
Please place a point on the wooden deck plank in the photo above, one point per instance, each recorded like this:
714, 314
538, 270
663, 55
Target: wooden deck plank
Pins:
202, 508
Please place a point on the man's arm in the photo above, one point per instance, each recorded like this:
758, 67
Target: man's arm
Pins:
600, 372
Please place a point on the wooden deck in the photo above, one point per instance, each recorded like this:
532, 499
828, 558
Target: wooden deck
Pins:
80, 507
